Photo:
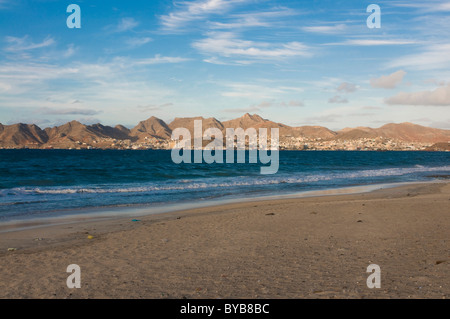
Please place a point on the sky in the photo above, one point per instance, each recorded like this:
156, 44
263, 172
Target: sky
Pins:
295, 62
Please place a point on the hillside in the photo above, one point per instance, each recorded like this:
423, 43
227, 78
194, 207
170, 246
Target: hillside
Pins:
155, 133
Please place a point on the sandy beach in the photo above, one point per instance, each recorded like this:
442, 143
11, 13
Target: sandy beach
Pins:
316, 247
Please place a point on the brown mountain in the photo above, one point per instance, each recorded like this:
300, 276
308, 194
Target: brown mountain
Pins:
152, 127
354, 134
74, 134
70, 134
407, 132
412, 132
246, 121
313, 132
22, 135
188, 122
256, 121
108, 132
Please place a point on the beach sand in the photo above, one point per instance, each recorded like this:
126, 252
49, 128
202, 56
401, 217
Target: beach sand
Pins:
317, 247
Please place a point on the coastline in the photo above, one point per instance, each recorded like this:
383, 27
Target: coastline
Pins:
92, 214
310, 247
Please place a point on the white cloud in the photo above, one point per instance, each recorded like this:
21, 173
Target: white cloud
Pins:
373, 42
254, 19
195, 10
327, 29
137, 42
258, 92
23, 44
388, 81
428, 6
443, 6
106, 87
70, 51
241, 23
67, 111
4, 87
225, 44
158, 59
26, 73
126, 24
435, 56
438, 97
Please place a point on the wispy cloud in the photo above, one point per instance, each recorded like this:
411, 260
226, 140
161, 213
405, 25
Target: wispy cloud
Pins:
429, 6
24, 44
326, 29
158, 59
254, 19
435, 56
388, 81
124, 25
258, 91
273, 103
127, 24
154, 107
374, 42
67, 111
186, 12
138, 42
69, 51
227, 45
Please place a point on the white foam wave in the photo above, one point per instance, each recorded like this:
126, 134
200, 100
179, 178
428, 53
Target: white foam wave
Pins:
235, 182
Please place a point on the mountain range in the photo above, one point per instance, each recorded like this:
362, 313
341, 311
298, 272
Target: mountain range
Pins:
74, 134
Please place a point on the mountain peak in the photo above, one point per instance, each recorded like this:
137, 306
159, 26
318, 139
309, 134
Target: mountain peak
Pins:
153, 127
254, 117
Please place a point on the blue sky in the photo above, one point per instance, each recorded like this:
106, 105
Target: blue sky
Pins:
295, 62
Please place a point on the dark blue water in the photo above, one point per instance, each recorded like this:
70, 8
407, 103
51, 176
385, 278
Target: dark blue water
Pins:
45, 183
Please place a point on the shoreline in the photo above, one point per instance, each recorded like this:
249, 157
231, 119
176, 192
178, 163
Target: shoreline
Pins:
94, 214
311, 247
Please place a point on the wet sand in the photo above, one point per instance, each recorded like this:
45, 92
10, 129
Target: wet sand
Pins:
316, 247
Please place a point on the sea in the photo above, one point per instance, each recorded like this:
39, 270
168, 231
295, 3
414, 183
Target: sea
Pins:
38, 184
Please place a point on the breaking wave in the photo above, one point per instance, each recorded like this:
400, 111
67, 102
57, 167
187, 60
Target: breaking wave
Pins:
227, 182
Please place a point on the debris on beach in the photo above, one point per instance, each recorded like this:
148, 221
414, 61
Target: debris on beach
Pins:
270, 214
135, 220
12, 249
90, 237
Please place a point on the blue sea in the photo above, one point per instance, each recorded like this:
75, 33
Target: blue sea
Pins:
51, 183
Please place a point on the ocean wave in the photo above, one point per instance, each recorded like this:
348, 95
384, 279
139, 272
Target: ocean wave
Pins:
186, 185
